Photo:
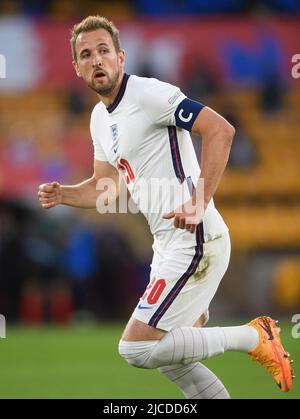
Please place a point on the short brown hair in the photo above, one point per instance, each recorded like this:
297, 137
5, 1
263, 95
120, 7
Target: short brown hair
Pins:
92, 23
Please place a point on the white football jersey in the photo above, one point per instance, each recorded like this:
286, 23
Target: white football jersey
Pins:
141, 135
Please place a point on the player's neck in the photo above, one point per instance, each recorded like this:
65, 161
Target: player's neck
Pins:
109, 99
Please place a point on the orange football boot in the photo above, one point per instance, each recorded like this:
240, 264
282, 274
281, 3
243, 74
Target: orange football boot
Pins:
270, 352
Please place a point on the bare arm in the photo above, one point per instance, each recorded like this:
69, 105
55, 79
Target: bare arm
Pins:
217, 135
82, 195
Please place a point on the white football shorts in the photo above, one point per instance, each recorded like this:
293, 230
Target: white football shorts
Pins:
183, 283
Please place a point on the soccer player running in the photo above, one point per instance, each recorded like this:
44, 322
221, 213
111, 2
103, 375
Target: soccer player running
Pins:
140, 128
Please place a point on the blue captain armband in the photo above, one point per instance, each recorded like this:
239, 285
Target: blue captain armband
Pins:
187, 112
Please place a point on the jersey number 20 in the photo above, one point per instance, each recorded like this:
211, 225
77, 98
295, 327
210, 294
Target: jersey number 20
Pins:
156, 287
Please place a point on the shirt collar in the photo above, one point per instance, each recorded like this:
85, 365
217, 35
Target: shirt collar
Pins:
120, 94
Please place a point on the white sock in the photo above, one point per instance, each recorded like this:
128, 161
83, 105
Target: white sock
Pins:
196, 381
190, 344
185, 345
240, 338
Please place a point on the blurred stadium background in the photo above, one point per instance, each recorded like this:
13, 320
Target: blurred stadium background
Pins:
68, 278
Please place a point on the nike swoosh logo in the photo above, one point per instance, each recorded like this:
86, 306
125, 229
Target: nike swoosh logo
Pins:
143, 307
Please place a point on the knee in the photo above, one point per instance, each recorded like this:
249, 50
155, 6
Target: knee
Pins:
138, 354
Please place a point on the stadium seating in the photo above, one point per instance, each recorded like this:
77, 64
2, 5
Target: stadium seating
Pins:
286, 279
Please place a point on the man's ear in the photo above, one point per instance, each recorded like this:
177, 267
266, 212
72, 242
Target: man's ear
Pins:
75, 65
122, 58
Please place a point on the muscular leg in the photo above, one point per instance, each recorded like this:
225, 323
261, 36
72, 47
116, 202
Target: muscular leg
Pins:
139, 331
194, 380
147, 347
136, 330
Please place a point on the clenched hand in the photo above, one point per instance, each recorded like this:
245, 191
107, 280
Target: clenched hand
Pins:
50, 194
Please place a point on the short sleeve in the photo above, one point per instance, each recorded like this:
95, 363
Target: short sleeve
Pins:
165, 104
99, 153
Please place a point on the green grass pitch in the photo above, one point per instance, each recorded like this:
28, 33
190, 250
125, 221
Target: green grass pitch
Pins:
84, 363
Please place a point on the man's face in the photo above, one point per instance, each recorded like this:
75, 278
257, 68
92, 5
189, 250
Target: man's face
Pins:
98, 63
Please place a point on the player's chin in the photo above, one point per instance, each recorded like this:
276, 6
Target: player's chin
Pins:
97, 85
102, 88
